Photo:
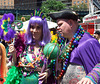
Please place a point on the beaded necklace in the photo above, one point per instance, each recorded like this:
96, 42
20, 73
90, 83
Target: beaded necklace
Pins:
65, 56
38, 59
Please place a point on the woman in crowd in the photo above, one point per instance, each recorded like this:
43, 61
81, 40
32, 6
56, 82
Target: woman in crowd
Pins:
28, 54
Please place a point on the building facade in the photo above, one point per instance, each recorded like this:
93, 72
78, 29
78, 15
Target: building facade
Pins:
6, 4
77, 2
20, 4
67, 2
27, 4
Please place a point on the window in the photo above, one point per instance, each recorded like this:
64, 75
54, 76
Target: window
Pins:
78, 2
81, 1
74, 2
85, 1
4, 2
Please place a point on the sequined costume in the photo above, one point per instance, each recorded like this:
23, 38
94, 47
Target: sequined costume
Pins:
24, 75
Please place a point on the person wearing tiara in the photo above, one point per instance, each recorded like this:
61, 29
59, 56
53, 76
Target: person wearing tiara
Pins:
27, 52
3, 65
80, 52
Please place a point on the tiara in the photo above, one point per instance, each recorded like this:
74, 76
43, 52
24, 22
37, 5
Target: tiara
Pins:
38, 13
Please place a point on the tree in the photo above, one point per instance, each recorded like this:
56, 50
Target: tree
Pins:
52, 6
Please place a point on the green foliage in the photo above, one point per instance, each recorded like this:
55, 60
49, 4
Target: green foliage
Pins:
52, 6
27, 17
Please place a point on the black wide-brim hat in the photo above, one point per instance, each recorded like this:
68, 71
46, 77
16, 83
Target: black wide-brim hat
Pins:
65, 14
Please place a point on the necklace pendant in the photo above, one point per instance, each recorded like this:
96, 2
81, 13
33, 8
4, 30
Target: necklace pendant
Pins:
25, 74
75, 42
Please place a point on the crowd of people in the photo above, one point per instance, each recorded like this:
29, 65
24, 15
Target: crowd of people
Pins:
77, 63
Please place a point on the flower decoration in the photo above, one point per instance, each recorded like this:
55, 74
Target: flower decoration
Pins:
53, 37
6, 32
7, 26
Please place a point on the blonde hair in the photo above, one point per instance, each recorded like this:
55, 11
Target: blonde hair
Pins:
3, 66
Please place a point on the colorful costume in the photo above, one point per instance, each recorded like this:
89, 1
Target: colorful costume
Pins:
86, 54
7, 26
30, 57
24, 75
94, 74
6, 32
81, 54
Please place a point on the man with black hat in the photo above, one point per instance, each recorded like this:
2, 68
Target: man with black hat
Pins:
80, 54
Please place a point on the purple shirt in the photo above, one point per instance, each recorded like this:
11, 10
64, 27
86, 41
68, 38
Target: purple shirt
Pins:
87, 53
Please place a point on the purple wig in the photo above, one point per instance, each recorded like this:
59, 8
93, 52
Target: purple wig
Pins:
46, 32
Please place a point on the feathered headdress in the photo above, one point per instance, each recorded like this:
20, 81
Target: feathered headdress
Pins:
7, 27
38, 13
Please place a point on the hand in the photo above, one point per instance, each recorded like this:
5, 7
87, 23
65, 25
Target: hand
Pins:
85, 81
43, 76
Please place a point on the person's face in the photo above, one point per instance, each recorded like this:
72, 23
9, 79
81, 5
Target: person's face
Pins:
36, 31
64, 28
96, 36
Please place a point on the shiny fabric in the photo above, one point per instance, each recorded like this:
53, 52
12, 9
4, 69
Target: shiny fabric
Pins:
32, 79
83, 58
87, 53
94, 75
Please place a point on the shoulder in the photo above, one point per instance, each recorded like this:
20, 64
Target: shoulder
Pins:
87, 40
1, 45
